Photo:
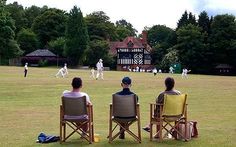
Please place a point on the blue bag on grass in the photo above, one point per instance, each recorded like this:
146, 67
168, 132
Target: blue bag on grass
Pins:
43, 138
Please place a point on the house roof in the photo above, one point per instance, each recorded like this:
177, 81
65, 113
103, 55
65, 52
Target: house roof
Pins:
41, 53
136, 43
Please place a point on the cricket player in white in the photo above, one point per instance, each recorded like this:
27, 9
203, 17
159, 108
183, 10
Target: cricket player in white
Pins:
171, 70
92, 73
61, 73
65, 70
26, 69
99, 69
154, 71
185, 72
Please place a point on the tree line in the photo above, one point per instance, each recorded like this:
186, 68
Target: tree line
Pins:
197, 43
82, 40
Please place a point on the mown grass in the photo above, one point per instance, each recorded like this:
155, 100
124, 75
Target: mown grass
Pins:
30, 105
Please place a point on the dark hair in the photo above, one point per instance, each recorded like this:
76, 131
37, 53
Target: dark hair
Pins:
76, 82
170, 83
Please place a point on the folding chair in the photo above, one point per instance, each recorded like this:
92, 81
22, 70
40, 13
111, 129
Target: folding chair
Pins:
124, 110
75, 112
171, 113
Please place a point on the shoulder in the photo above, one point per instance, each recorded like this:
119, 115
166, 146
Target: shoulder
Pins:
162, 93
177, 92
66, 93
84, 94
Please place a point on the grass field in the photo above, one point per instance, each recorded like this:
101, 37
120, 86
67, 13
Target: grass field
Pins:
30, 105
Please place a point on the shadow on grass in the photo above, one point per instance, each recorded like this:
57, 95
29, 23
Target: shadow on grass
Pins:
126, 142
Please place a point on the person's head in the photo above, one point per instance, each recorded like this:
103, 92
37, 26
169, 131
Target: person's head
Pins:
65, 64
76, 83
126, 82
170, 83
26, 63
100, 60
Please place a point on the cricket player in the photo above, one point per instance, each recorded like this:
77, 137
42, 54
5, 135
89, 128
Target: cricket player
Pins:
65, 70
185, 72
61, 72
154, 71
25, 69
171, 70
99, 69
92, 73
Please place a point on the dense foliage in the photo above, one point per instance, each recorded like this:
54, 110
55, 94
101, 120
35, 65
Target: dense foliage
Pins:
76, 42
198, 43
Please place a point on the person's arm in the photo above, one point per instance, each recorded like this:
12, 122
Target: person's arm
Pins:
160, 98
87, 99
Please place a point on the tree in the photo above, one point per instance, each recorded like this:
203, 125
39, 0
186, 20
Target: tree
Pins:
191, 19
124, 29
183, 20
191, 48
8, 46
99, 49
160, 38
57, 46
158, 54
100, 27
49, 26
160, 34
17, 13
204, 21
76, 37
33, 12
222, 39
186, 18
170, 58
27, 40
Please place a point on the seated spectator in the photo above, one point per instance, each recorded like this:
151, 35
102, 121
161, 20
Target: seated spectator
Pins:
75, 93
169, 84
125, 84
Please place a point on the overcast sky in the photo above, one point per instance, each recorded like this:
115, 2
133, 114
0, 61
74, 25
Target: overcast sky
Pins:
140, 13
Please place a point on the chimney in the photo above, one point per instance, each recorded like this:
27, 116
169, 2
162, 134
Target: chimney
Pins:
144, 37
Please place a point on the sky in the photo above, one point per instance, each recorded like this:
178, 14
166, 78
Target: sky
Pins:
140, 13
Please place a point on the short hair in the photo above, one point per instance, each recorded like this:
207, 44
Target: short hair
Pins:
170, 83
126, 81
76, 82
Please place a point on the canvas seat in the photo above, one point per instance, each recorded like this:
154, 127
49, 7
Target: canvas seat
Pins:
75, 112
168, 116
124, 110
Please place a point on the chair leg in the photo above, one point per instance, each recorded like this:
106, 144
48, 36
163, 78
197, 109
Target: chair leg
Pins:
60, 132
110, 131
151, 131
139, 131
160, 130
185, 133
64, 130
90, 133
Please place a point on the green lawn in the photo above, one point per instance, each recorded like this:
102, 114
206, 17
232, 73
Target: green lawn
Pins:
30, 105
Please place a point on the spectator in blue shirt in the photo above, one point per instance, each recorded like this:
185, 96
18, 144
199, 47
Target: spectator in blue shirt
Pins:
125, 84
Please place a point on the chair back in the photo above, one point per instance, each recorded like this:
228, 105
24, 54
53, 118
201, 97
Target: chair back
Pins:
124, 105
74, 106
174, 105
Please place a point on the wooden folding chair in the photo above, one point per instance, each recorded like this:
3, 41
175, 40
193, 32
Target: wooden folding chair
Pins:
75, 112
124, 110
168, 116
